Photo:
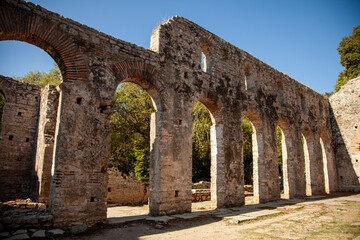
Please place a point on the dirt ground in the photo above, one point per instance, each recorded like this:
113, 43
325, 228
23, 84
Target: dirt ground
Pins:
337, 217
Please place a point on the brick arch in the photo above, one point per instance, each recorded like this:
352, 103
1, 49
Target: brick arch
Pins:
142, 74
214, 109
25, 25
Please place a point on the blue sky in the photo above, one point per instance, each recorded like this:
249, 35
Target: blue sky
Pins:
296, 37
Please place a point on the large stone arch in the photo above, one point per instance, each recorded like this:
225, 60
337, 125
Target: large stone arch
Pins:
259, 169
313, 172
34, 27
144, 75
217, 174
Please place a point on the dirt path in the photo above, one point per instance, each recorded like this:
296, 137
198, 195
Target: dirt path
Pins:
335, 218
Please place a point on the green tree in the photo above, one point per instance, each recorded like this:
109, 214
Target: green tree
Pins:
130, 128
201, 151
53, 77
247, 150
349, 50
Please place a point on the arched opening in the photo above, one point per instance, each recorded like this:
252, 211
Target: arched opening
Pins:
201, 154
133, 132
28, 63
285, 159
257, 153
207, 153
247, 131
280, 155
32, 68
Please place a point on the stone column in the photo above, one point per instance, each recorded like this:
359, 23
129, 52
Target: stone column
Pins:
45, 141
171, 159
81, 153
233, 167
217, 172
272, 182
320, 180
290, 190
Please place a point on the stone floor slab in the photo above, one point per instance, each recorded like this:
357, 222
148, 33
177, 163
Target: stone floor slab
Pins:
238, 219
261, 213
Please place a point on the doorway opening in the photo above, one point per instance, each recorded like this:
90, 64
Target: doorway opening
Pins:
129, 165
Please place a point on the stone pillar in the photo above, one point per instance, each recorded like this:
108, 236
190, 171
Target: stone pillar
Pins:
45, 141
272, 182
81, 153
217, 172
288, 145
313, 165
320, 180
299, 165
233, 167
329, 165
171, 159
259, 173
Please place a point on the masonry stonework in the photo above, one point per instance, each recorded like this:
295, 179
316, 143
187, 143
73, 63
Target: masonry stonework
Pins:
17, 137
231, 84
125, 190
345, 106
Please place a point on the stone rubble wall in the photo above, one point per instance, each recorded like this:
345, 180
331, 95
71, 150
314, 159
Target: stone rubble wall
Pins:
18, 138
125, 190
200, 195
24, 214
345, 107
201, 185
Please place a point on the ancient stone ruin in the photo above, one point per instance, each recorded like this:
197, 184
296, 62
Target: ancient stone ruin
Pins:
55, 142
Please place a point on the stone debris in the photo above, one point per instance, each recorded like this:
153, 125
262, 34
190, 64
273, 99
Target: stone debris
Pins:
56, 231
20, 236
78, 228
20, 231
39, 234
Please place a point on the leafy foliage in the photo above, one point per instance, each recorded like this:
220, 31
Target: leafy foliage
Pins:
130, 126
349, 50
53, 77
201, 150
247, 150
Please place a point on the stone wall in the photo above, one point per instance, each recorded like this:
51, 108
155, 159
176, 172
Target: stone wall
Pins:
345, 106
24, 214
18, 138
232, 84
125, 190
201, 185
